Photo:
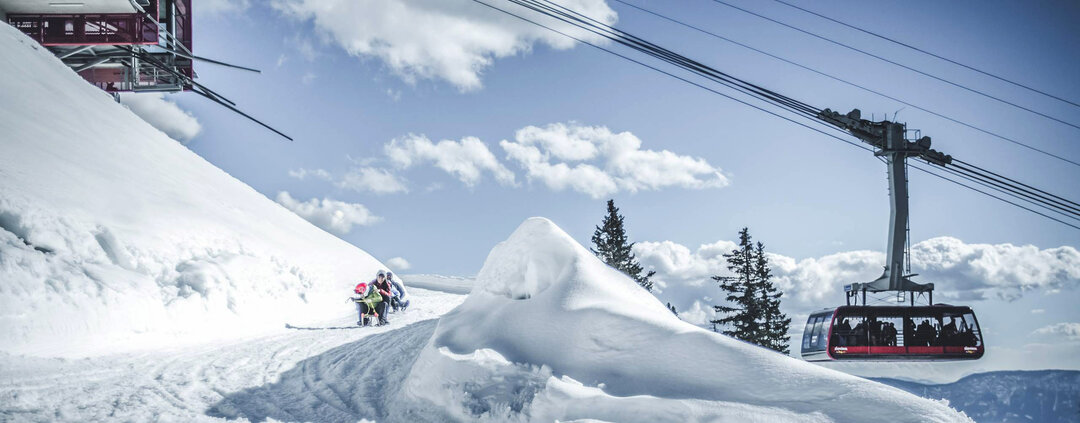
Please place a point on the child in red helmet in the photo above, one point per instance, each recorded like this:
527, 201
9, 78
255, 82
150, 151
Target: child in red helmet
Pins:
368, 301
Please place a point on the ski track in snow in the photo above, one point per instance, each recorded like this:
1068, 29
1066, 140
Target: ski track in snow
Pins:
293, 375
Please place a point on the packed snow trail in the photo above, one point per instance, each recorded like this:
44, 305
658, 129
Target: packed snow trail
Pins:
322, 375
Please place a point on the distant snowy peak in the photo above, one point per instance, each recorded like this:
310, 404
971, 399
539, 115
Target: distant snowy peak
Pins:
552, 333
1040, 396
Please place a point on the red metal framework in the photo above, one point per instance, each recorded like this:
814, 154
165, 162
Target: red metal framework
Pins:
90, 29
146, 50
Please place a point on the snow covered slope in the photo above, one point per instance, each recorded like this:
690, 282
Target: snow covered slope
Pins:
550, 332
115, 237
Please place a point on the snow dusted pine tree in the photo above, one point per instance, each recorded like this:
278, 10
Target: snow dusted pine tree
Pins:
612, 247
775, 330
742, 314
753, 313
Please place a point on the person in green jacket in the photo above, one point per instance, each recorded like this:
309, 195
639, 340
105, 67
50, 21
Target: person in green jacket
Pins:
368, 300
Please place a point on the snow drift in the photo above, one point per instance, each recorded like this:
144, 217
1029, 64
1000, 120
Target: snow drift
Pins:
113, 236
550, 332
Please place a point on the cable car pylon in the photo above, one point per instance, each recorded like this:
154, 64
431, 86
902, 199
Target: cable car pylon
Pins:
858, 331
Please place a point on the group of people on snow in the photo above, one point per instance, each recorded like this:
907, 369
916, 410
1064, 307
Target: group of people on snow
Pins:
375, 299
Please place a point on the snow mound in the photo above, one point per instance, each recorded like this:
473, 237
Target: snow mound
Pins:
115, 237
550, 332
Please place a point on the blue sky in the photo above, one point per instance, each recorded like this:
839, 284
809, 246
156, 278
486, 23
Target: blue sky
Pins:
363, 89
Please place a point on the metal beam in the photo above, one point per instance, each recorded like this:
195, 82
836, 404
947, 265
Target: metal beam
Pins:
92, 64
194, 57
75, 51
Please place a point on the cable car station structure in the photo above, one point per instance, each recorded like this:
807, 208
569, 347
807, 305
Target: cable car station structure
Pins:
121, 45
117, 45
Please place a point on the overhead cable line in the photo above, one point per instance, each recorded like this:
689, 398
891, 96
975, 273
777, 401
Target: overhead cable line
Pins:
1015, 193
997, 198
569, 16
894, 41
838, 79
672, 75
556, 11
1074, 206
579, 20
955, 84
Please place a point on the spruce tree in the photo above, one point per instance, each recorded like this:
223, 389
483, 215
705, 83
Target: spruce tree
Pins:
776, 324
753, 310
612, 246
742, 313
673, 310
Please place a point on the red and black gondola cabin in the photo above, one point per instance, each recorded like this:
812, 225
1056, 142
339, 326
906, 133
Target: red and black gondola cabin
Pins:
892, 333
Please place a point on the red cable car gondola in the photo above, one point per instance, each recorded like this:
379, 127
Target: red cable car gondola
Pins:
861, 332
937, 332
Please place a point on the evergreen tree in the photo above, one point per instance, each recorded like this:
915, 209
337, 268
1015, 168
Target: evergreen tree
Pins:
775, 335
753, 310
673, 310
742, 313
613, 248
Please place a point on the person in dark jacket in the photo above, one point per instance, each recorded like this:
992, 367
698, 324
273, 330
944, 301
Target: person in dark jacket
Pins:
401, 296
384, 288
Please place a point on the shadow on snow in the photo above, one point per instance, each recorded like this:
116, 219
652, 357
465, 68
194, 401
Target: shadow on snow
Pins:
358, 380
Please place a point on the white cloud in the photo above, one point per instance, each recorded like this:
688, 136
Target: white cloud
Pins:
221, 7
467, 159
1070, 330
1038, 311
379, 181
302, 174
331, 215
960, 272
398, 264
597, 162
163, 114
361, 179
1005, 270
452, 40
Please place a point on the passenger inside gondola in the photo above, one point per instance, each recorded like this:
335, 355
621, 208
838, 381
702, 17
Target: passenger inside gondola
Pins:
909, 331
949, 333
859, 335
844, 333
925, 334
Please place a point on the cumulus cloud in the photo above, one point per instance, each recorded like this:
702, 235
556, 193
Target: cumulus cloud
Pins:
221, 7
1005, 270
163, 114
597, 162
302, 174
379, 181
331, 215
1070, 330
451, 40
467, 159
361, 179
959, 271
398, 264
